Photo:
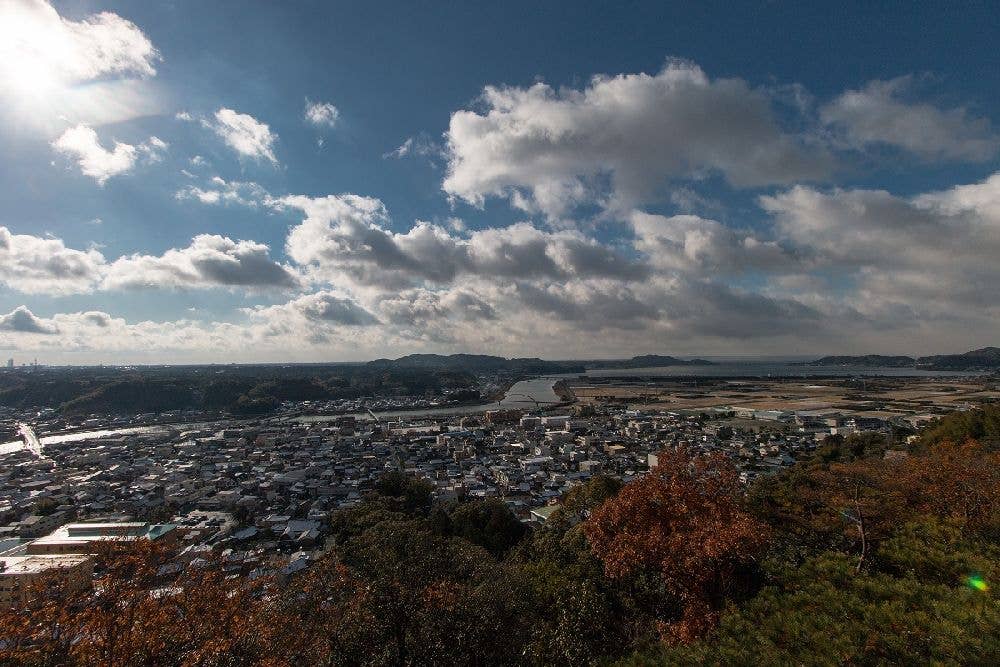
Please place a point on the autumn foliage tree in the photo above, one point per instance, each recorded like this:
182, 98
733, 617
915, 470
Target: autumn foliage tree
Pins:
855, 506
684, 520
132, 617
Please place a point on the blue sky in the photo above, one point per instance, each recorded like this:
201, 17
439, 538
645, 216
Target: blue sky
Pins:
553, 179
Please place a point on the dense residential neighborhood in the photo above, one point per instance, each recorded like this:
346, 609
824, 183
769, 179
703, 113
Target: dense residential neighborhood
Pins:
260, 493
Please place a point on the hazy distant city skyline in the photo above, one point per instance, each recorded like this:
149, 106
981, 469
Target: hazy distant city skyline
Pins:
207, 182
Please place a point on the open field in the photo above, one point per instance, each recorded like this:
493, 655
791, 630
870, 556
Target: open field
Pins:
883, 397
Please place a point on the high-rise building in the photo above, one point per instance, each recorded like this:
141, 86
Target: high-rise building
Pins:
10, 363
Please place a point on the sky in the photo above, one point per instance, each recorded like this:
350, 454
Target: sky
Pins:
192, 182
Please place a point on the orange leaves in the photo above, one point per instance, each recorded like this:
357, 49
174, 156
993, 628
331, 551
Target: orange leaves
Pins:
683, 520
132, 617
948, 481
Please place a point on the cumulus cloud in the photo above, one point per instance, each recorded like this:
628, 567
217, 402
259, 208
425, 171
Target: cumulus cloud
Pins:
980, 200
22, 320
244, 134
324, 308
702, 246
932, 255
551, 150
210, 261
346, 236
601, 305
81, 143
35, 42
878, 114
78, 334
425, 307
35, 265
709, 308
321, 114
280, 335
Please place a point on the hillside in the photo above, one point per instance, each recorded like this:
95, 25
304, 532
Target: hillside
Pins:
866, 360
987, 358
238, 389
478, 363
646, 361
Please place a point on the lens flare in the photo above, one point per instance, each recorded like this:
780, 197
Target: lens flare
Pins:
976, 582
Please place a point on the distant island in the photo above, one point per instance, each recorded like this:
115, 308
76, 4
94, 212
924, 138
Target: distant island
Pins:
478, 363
645, 361
867, 360
987, 358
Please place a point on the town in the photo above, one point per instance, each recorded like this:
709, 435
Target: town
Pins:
259, 493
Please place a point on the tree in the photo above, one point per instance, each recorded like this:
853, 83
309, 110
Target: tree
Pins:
825, 612
434, 599
853, 507
132, 617
581, 500
411, 494
982, 425
488, 523
684, 521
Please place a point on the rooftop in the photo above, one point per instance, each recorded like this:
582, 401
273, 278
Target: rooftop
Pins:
21, 565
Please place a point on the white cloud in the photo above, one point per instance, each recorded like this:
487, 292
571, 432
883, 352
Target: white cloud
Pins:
980, 200
81, 143
210, 261
876, 114
38, 45
324, 308
703, 247
321, 114
220, 191
345, 237
932, 256
421, 145
34, 265
22, 320
552, 150
244, 134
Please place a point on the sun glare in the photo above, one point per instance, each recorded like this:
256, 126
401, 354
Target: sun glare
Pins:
31, 49
50, 76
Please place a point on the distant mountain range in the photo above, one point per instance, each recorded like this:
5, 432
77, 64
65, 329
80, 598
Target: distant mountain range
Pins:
987, 358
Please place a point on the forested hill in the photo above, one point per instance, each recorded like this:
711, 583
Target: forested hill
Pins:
238, 389
646, 361
479, 363
987, 358
866, 360
982, 359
